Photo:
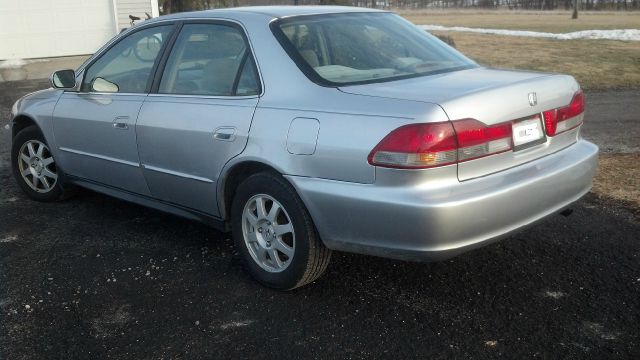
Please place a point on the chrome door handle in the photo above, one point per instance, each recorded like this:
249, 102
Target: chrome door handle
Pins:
120, 122
225, 134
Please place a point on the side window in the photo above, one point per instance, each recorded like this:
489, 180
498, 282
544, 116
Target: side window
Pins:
126, 67
207, 59
248, 83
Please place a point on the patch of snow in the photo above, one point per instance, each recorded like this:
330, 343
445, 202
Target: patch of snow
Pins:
18, 63
609, 336
234, 324
12, 63
554, 294
616, 34
598, 330
8, 239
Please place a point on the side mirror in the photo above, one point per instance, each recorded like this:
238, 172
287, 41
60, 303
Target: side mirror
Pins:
63, 79
102, 85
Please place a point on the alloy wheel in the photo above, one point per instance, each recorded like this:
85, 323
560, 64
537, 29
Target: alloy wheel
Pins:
268, 233
37, 167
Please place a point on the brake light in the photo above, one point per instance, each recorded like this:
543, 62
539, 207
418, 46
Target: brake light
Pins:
476, 140
562, 119
416, 146
437, 144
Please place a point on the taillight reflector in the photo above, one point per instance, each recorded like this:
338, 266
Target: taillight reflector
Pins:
562, 119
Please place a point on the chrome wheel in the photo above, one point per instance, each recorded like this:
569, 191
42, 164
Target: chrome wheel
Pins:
36, 166
268, 233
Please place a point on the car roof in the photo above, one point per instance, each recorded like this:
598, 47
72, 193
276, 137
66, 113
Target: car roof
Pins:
271, 11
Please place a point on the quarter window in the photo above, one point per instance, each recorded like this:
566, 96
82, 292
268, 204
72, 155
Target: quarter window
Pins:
210, 59
126, 67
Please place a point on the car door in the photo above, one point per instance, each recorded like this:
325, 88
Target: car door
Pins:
95, 126
200, 115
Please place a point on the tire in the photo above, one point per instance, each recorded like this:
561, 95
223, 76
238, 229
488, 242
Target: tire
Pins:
263, 239
30, 154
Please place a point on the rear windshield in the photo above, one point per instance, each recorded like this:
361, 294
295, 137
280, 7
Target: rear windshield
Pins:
357, 48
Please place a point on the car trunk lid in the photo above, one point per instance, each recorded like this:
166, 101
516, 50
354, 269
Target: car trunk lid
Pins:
491, 97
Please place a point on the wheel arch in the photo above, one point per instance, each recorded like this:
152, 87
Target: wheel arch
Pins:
235, 175
21, 122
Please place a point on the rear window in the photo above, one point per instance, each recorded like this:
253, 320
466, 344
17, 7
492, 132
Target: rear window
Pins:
356, 48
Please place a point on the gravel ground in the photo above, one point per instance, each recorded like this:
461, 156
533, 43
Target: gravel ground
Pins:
94, 277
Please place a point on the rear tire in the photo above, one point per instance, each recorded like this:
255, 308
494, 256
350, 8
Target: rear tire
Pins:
274, 233
34, 168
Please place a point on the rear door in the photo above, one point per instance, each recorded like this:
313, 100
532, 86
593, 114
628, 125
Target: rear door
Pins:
200, 115
95, 126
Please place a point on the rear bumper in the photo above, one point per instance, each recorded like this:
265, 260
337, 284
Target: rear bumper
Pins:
419, 223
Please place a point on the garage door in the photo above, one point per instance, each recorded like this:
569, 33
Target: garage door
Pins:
44, 28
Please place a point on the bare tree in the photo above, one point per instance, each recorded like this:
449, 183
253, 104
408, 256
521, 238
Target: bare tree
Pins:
575, 10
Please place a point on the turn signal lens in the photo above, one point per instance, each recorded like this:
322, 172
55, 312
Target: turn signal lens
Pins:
563, 119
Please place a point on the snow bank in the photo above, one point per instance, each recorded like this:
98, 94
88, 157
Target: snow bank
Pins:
618, 34
12, 63
18, 63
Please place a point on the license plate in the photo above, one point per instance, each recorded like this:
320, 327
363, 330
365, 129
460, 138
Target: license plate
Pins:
527, 132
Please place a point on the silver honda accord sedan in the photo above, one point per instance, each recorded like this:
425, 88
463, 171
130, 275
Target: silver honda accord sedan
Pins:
309, 129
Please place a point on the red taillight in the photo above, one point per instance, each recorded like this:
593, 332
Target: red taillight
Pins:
438, 144
476, 140
416, 146
559, 120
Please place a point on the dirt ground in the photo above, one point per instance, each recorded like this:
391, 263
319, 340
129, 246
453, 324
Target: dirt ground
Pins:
94, 277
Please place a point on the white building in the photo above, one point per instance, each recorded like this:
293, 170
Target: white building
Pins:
46, 28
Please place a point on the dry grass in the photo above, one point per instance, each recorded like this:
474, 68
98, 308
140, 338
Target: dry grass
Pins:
556, 21
618, 177
596, 64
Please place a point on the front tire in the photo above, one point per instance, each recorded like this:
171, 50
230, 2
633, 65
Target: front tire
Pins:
274, 233
33, 166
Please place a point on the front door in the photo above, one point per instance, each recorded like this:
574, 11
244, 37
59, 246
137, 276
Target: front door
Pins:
200, 116
95, 126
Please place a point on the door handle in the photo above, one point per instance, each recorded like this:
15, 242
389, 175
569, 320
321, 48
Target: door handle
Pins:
225, 134
120, 122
